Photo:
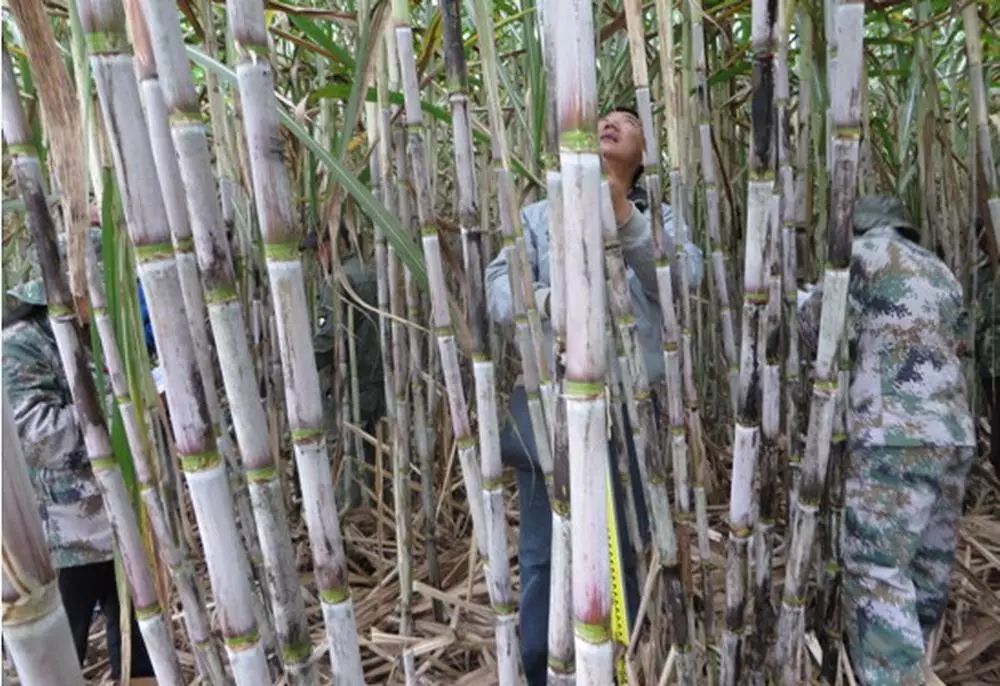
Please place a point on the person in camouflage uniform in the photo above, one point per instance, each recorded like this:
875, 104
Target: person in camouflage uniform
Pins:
362, 280
76, 526
911, 442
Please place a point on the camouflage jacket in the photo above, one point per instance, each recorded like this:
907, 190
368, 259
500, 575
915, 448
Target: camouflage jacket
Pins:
76, 526
987, 320
906, 330
366, 344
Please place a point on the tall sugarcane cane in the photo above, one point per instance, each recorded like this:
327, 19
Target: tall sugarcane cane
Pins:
652, 466
828, 564
491, 528
145, 214
561, 668
465, 169
35, 628
758, 632
720, 282
72, 353
779, 271
801, 213
508, 649
978, 113
791, 206
382, 173
228, 323
753, 322
400, 280
172, 550
498, 578
527, 322
675, 337
440, 313
676, 340
168, 172
174, 555
576, 84
62, 114
304, 404
845, 106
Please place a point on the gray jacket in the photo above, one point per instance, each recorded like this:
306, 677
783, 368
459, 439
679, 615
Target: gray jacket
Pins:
637, 247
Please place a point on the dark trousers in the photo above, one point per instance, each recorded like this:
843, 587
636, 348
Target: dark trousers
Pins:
85, 587
534, 543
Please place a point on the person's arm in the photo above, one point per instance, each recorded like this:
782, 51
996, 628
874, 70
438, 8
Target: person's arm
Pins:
635, 237
44, 414
499, 300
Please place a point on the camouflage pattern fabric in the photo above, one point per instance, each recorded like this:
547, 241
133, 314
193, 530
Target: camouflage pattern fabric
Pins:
906, 328
987, 320
900, 528
76, 526
366, 341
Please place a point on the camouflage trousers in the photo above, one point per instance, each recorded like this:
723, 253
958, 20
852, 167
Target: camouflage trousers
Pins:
902, 507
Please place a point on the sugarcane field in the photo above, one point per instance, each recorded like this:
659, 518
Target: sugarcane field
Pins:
513, 342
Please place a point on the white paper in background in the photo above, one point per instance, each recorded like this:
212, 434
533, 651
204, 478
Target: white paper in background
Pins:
160, 379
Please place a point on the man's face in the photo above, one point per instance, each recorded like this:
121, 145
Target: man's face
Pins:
620, 139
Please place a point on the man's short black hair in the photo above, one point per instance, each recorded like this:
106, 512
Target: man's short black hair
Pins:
624, 108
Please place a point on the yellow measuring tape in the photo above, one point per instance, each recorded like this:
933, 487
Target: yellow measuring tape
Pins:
619, 612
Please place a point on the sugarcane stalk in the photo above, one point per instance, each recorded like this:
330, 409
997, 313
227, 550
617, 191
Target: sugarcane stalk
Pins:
576, 102
146, 217
795, 253
829, 616
401, 384
62, 119
845, 108
473, 255
759, 631
618, 378
440, 313
978, 113
35, 628
561, 669
72, 352
169, 174
174, 556
753, 339
671, 273
279, 230
652, 466
226, 317
382, 174
498, 568
473, 258
172, 550
527, 321
712, 207
422, 440
490, 537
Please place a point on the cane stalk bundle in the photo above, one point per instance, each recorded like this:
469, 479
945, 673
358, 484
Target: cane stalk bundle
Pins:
145, 215
69, 340
845, 117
